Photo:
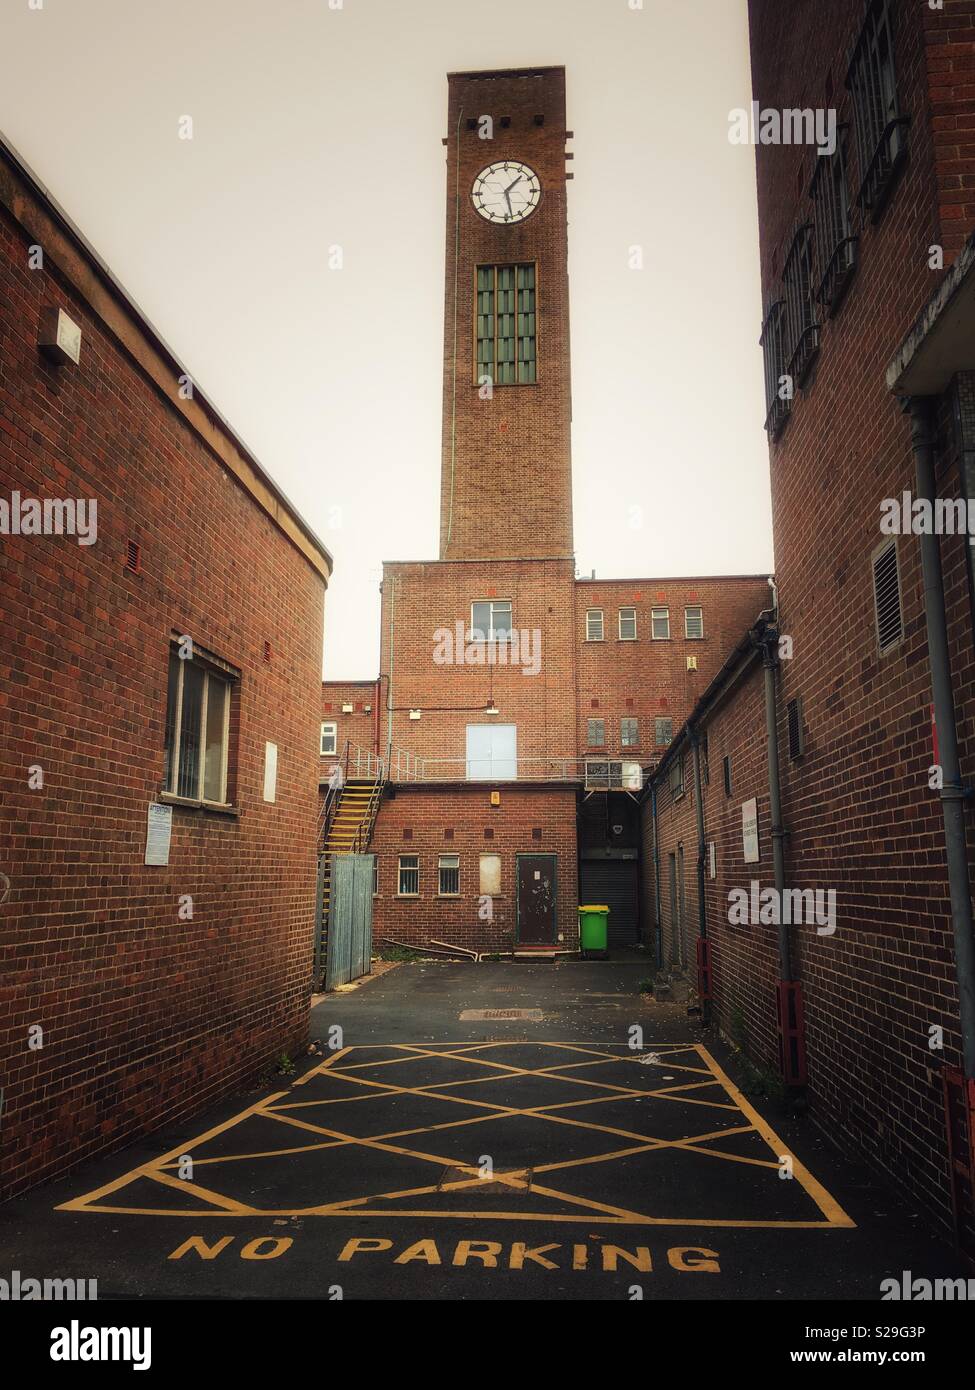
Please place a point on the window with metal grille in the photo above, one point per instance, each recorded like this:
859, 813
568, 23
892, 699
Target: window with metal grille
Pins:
881, 127
801, 327
663, 730
694, 623
409, 875
329, 739
197, 729
595, 732
449, 875
594, 624
505, 324
677, 778
793, 712
778, 392
887, 597
727, 775
836, 246
629, 733
659, 624
491, 621
627, 624
604, 776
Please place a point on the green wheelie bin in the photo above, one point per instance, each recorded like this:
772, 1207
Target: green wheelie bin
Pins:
594, 932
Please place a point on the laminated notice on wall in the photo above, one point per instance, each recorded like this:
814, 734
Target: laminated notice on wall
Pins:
749, 831
270, 771
159, 831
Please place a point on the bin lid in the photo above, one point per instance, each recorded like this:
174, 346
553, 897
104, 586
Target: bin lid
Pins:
595, 907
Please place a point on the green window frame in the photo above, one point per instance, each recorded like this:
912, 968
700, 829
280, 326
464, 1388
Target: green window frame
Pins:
505, 325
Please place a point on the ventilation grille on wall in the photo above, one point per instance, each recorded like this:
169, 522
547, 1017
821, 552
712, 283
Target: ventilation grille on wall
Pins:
887, 597
796, 738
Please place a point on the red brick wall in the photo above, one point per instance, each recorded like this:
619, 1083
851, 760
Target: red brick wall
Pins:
421, 598
427, 813
950, 62
647, 678
523, 432
859, 813
145, 1018
358, 729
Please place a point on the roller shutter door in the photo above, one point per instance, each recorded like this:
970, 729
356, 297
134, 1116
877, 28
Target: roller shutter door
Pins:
615, 883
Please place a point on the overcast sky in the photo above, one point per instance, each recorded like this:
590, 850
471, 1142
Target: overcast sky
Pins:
316, 126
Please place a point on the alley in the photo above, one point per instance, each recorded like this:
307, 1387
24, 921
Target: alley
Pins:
427, 1155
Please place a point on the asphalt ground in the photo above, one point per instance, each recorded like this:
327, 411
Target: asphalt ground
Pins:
422, 1155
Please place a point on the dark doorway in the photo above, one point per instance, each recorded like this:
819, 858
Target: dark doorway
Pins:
536, 899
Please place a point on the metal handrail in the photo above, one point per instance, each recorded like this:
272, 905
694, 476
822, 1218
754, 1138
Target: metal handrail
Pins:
526, 769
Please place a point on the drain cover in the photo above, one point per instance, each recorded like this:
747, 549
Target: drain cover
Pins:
483, 1015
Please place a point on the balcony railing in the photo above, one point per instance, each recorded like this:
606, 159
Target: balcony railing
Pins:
596, 774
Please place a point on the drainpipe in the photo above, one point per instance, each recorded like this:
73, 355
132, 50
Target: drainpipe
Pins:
389, 680
703, 945
953, 794
659, 942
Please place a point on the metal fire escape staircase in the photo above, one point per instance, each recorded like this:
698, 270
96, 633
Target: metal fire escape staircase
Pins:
347, 816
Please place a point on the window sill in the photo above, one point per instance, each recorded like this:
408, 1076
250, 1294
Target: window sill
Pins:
188, 803
627, 639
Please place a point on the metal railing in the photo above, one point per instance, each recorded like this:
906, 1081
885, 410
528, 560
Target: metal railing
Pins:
594, 773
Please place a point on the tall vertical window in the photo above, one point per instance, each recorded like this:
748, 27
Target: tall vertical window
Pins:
629, 733
448, 875
881, 128
595, 732
801, 328
197, 730
329, 738
660, 624
663, 729
836, 246
778, 399
594, 624
409, 875
505, 324
627, 624
694, 622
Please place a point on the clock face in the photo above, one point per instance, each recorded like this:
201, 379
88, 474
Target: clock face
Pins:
506, 192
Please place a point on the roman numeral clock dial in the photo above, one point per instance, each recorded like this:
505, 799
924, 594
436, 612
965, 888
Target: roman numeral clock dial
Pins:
506, 192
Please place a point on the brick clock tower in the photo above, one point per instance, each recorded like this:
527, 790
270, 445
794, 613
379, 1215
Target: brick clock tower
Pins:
506, 489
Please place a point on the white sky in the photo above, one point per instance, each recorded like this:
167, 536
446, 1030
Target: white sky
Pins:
316, 127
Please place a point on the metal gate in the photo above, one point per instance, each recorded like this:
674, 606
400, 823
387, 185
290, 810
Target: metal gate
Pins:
348, 946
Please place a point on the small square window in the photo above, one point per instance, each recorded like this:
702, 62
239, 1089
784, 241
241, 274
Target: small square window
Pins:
694, 623
491, 621
449, 875
660, 624
594, 625
409, 875
627, 624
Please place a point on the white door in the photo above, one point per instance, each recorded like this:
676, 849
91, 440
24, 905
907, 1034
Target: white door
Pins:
492, 752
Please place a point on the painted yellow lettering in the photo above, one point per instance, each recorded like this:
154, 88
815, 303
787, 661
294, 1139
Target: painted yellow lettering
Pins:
197, 1243
612, 1254
487, 1251
425, 1250
580, 1256
361, 1245
279, 1244
520, 1253
686, 1257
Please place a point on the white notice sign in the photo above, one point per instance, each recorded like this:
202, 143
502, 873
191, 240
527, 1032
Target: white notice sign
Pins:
159, 831
749, 830
270, 771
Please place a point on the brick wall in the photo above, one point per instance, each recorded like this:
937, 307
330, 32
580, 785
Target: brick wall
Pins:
358, 728
430, 821
647, 679
145, 1018
523, 431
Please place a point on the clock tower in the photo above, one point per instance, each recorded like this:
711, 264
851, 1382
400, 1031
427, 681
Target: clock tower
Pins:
506, 487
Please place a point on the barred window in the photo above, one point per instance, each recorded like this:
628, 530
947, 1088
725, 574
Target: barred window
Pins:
881, 128
449, 875
836, 246
663, 730
409, 875
627, 624
630, 733
594, 625
801, 328
505, 324
694, 622
595, 732
778, 393
660, 623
